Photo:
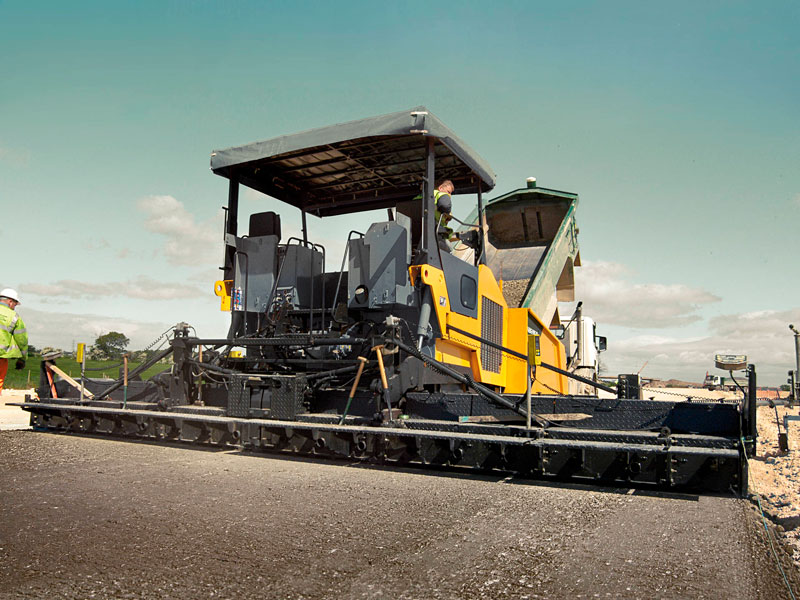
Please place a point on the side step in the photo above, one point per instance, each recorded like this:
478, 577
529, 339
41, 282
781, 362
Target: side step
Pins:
704, 464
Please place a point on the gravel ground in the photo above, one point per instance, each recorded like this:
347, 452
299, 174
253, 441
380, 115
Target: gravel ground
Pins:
85, 517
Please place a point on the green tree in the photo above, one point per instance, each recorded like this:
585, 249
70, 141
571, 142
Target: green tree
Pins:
112, 344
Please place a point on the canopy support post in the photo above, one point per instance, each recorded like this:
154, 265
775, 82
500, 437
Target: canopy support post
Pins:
480, 259
231, 224
428, 244
233, 205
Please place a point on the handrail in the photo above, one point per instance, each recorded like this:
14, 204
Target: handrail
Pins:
322, 295
341, 272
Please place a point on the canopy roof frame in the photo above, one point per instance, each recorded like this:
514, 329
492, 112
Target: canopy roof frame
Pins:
358, 166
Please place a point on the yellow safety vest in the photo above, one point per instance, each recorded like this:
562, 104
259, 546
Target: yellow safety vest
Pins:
444, 231
13, 335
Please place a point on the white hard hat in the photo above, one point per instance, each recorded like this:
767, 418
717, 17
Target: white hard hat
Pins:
9, 293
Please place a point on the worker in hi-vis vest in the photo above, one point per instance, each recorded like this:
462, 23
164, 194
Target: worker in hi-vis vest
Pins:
13, 335
444, 204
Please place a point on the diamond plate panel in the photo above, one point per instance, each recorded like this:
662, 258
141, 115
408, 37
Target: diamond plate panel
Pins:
238, 397
288, 397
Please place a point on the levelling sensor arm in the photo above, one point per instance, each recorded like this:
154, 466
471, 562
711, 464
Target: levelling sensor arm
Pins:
140, 369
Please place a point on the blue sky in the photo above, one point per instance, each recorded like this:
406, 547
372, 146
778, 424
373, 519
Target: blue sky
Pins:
677, 123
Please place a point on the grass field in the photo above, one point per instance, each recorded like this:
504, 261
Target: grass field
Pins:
29, 376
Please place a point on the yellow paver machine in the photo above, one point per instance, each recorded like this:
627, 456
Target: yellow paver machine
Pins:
409, 353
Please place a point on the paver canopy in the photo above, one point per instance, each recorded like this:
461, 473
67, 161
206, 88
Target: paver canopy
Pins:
357, 166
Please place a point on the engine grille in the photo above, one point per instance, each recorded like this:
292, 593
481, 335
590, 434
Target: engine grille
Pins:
492, 330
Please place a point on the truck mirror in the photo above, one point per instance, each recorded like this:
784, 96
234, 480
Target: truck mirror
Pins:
601, 343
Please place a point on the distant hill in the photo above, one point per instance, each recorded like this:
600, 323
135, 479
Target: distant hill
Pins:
671, 383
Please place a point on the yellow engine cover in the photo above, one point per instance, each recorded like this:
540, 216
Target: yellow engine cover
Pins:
509, 328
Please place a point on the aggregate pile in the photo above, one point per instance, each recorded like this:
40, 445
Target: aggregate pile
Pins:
514, 291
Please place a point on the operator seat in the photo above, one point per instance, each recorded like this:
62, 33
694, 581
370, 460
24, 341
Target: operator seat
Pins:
265, 223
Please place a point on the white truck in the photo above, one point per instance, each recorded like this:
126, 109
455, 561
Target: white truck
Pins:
713, 382
582, 346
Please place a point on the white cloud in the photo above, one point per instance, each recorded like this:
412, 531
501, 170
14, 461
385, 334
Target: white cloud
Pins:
205, 278
16, 158
96, 244
252, 195
141, 288
609, 297
63, 330
797, 200
612, 298
188, 242
763, 336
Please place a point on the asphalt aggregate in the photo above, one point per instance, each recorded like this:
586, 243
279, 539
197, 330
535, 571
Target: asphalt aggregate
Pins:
87, 517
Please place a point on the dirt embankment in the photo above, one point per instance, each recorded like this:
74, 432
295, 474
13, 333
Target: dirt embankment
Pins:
775, 475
